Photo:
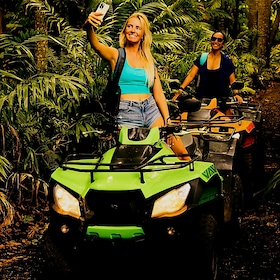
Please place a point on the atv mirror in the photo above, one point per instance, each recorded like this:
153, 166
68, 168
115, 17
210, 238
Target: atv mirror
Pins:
237, 85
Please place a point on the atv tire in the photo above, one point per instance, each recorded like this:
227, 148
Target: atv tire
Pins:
237, 199
248, 175
205, 249
234, 202
234, 209
56, 264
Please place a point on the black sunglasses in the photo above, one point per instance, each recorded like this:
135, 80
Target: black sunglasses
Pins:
215, 38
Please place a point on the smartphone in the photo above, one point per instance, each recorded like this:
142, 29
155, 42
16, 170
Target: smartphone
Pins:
102, 8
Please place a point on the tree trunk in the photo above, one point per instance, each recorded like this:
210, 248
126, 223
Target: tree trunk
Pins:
253, 20
275, 25
2, 28
259, 19
236, 28
252, 14
42, 46
264, 10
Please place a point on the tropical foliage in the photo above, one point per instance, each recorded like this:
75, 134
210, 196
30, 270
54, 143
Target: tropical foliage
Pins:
273, 183
42, 116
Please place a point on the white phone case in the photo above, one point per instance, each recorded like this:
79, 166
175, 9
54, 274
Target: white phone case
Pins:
102, 8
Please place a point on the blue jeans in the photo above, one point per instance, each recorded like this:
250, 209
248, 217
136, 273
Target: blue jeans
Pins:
134, 114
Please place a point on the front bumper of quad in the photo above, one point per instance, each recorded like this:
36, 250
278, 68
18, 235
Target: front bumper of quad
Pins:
160, 200
69, 232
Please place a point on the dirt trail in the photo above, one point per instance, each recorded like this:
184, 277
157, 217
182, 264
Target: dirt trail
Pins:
270, 105
255, 255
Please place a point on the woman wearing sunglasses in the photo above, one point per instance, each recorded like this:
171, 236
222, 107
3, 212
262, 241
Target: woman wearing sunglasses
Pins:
216, 73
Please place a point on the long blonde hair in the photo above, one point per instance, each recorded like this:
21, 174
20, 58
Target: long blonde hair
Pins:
144, 47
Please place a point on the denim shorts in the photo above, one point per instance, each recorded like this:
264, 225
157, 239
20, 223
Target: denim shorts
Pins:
134, 114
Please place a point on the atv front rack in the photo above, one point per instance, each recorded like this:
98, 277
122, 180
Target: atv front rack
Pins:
91, 164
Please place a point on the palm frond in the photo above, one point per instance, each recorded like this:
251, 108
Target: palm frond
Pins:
47, 85
6, 211
273, 183
5, 168
44, 7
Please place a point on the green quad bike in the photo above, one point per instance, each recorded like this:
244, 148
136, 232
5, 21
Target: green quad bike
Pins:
137, 206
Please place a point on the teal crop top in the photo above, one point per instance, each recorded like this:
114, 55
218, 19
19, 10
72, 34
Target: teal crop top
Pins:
133, 80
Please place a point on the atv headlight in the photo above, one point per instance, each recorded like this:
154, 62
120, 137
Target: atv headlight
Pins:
66, 203
171, 204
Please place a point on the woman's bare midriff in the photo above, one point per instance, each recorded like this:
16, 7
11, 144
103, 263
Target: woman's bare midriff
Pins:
135, 97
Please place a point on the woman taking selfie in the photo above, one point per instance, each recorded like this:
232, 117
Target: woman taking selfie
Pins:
142, 101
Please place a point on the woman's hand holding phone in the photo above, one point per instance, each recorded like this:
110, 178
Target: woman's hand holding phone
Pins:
102, 9
95, 18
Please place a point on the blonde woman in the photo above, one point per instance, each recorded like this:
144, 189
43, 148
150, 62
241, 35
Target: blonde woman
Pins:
142, 101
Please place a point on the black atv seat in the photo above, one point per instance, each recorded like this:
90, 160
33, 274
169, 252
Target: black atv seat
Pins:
187, 104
